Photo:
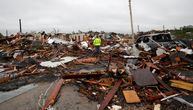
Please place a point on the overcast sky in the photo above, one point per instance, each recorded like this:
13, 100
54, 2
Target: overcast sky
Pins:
97, 15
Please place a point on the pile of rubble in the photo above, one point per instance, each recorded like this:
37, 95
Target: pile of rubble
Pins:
119, 77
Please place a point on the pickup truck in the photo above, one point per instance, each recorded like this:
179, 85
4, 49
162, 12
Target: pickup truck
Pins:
156, 40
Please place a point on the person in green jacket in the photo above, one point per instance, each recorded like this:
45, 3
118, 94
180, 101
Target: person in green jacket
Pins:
97, 44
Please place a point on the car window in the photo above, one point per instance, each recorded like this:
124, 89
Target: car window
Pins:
166, 37
157, 38
145, 39
140, 39
162, 37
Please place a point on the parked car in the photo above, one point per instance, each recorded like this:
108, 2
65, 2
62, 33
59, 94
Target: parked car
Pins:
154, 40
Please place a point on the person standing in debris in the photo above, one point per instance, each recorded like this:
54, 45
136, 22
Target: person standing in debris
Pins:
97, 44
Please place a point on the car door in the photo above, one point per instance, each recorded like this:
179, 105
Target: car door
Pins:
149, 42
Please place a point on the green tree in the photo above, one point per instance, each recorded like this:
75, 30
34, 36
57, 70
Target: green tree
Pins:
184, 32
1, 35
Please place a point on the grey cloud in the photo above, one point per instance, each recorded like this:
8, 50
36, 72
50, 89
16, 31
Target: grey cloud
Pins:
107, 15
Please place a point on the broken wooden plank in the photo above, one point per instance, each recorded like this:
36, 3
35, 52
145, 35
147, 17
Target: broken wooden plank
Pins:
5, 79
98, 83
110, 95
149, 64
52, 98
86, 60
109, 62
102, 82
10, 71
182, 85
32, 66
162, 83
156, 97
131, 96
75, 76
176, 74
159, 57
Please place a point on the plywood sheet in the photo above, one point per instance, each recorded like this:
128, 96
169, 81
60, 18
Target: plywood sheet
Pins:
131, 96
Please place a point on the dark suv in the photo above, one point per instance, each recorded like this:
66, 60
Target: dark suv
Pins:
154, 40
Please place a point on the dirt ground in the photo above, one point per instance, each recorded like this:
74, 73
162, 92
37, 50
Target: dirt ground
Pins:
69, 99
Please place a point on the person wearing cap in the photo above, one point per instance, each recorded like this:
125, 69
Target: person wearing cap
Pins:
97, 44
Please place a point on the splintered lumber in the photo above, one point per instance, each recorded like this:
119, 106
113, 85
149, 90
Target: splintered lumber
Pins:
159, 57
22, 73
5, 79
102, 82
149, 64
98, 83
156, 97
131, 96
52, 98
182, 77
110, 95
162, 83
86, 60
110, 60
75, 76
181, 85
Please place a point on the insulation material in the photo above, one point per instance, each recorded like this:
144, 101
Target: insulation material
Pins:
84, 45
160, 51
115, 107
50, 41
59, 41
187, 51
145, 46
57, 63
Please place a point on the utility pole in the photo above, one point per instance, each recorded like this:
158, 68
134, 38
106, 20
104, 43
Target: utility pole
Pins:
164, 28
7, 33
20, 28
131, 19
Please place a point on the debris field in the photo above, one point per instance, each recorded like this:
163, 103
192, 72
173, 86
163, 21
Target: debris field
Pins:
120, 76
